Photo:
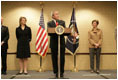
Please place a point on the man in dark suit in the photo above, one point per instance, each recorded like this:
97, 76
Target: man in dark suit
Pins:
4, 46
54, 44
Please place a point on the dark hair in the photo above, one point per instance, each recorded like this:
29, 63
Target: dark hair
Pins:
21, 19
95, 21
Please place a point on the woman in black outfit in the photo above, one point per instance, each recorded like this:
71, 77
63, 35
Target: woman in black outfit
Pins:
23, 35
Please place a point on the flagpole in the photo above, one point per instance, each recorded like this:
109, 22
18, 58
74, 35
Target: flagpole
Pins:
59, 56
75, 68
41, 69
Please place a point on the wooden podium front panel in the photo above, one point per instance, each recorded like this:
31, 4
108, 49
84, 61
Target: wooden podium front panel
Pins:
67, 31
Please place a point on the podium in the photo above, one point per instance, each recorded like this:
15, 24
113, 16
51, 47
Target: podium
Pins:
59, 30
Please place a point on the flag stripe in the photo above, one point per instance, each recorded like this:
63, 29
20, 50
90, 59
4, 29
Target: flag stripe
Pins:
40, 39
38, 30
39, 36
43, 49
40, 43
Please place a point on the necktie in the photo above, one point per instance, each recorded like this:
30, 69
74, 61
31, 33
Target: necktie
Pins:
56, 23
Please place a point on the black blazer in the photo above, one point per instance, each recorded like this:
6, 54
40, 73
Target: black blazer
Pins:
4, 36
54, 38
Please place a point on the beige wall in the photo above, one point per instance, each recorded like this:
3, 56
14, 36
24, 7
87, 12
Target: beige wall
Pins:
105, 12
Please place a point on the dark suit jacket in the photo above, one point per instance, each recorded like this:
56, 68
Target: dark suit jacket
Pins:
54, 38
4, 37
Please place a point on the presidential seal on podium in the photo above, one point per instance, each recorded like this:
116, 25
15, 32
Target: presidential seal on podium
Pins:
59, 30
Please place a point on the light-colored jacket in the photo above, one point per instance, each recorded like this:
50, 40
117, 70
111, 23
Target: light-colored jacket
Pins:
95, 36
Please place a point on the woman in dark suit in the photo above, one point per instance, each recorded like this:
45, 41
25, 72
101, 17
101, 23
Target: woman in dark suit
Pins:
23, 35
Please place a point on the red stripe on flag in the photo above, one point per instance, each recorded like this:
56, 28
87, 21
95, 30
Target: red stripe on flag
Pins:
45, 51
39, 37
43, 45
38, 30
41, 41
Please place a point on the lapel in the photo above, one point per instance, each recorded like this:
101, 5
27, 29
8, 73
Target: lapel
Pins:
53, 23
22, 29
2, 29
95, 31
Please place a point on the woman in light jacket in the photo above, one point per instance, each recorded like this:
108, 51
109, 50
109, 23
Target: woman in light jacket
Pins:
95, 42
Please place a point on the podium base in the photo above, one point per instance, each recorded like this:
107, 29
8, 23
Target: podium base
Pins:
55, 77
59, 78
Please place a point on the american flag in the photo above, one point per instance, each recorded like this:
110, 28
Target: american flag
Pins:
42, 37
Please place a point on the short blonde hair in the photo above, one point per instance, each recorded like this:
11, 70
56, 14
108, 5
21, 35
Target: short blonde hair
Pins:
20, 19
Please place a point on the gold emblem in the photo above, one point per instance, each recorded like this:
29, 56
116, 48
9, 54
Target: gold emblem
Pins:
59, 30
74, 33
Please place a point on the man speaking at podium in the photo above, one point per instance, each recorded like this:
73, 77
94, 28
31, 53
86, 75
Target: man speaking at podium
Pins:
54, 44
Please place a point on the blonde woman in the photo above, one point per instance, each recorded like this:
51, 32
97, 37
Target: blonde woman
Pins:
23, 35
